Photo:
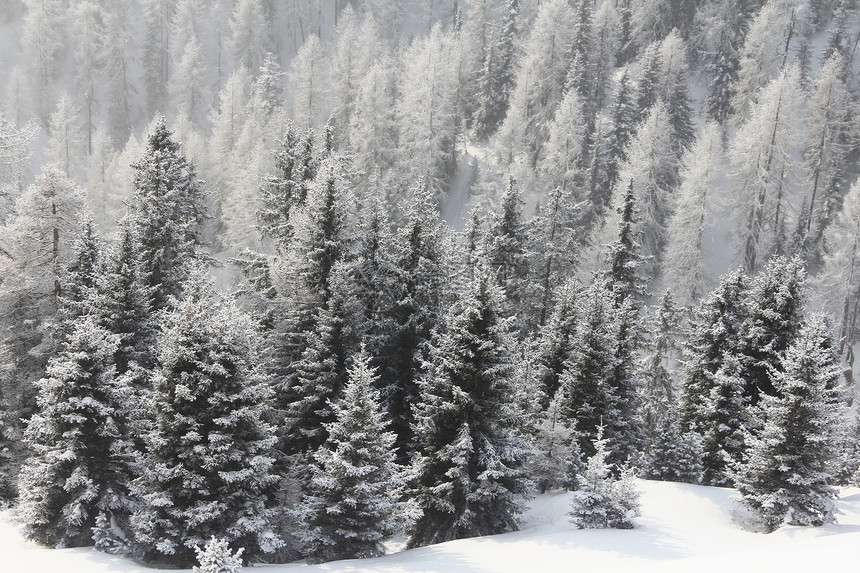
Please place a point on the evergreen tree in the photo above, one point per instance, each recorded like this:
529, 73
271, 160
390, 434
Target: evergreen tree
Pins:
419, 268
623, 126
555, 452
167, 211
774, 315
761, 158
556, 342
602, 500
840, 277
80, 465
507, 251
828, 140
672, 455
208, 467
320, 373
539, 82
786, 476
495, 80
469, 467
595, 379
709, 355
216, 557
8, 489
39, 238
662, 328
351, 503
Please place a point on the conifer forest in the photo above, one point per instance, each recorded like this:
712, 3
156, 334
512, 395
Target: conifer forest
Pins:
285, 280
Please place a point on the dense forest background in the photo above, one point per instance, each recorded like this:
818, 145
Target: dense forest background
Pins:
494, 238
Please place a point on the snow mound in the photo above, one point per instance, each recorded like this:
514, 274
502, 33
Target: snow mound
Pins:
682, 528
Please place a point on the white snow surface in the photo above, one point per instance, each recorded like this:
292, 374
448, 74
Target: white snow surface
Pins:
682, 528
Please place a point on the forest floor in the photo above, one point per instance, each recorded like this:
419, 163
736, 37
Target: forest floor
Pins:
682, 528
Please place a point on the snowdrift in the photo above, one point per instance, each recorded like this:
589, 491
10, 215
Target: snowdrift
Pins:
682, 528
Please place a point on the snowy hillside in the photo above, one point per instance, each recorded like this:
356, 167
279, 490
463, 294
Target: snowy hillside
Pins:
682, 528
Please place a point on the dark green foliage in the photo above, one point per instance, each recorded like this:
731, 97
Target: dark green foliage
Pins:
351, 502
80, 465
468, 469
208, 467
786, 475
167, 211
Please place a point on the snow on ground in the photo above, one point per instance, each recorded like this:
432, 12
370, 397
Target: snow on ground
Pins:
682, 528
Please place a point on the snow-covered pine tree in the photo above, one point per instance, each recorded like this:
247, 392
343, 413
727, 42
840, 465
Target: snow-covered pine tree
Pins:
507, 253
651, 168
468, 471
709, 356
622, 128
602, 500
828, 140
552, 236
592, 398
774, 314
662, 329
351, 504
78, 283
167, 210
217, 557
556, 341
419, 268
39, 235
208, 468
761, 158
840, 277
786, 476
319, 373
80, 465
495, 80
672, 455
539, 82
554, 450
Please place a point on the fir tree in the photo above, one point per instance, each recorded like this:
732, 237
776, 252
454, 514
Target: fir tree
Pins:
418, 266
80, 464
672, 455
216, 557
208, 467
555, 450
167, 212
602, 500
468, 474
507, 250
597, 380
775, 305
556, 342
351, 503
786, 476
662, 328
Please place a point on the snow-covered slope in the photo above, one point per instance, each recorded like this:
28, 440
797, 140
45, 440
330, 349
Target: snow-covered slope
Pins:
682, 528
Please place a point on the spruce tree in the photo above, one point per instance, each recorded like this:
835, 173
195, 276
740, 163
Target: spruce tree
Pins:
555, 452
507, 251
556, 341
167, 211
602, 500
351, 503
208, 466
597, 379
80, 465
419, 268
775, 305
468, 472
786, 476
662, 329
